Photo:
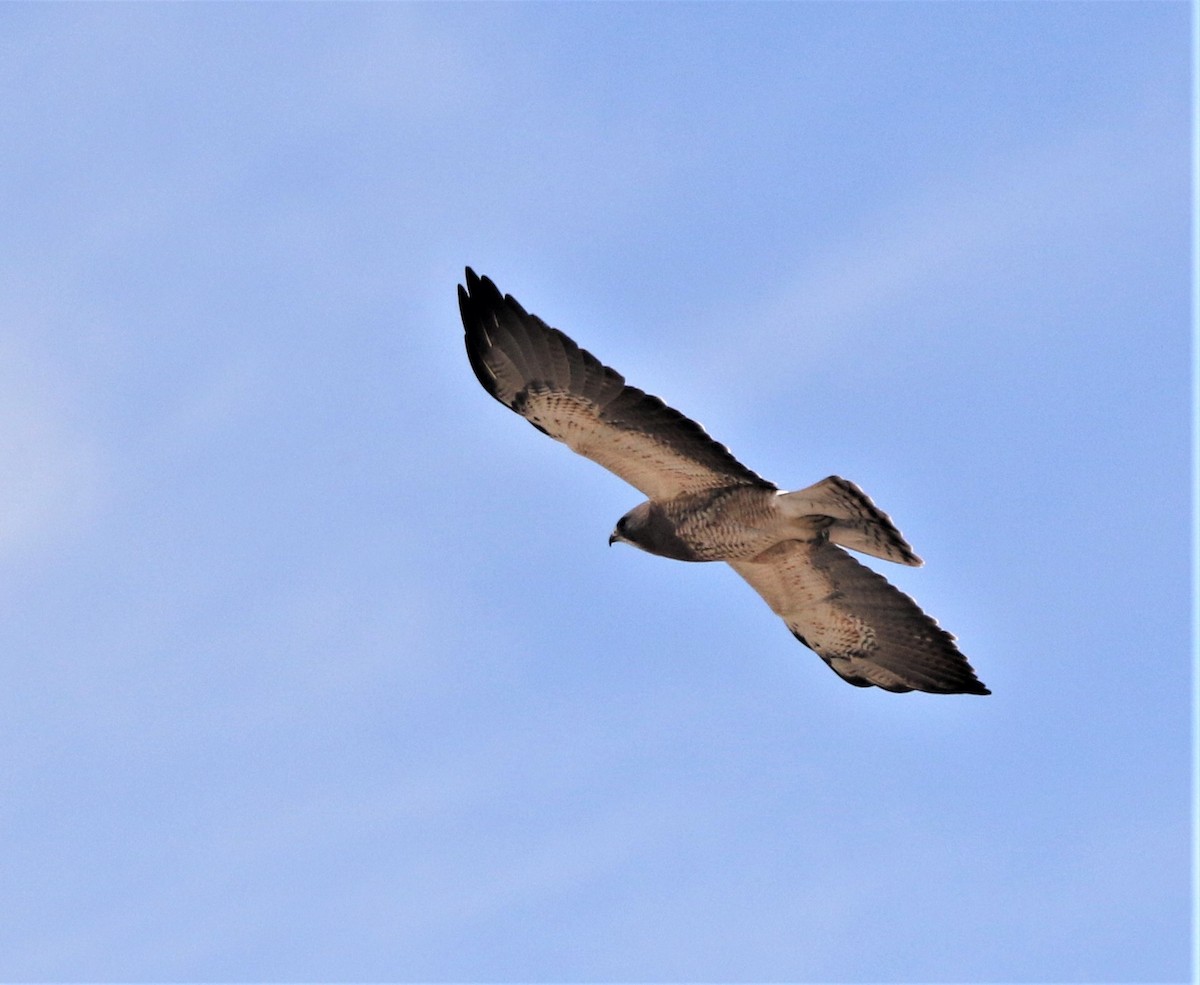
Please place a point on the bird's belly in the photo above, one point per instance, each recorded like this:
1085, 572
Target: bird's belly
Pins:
736, 526
718, 544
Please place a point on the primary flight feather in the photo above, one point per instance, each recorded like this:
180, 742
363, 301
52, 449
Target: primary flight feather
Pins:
705, 505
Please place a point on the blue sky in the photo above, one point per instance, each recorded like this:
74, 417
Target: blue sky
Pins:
317, 662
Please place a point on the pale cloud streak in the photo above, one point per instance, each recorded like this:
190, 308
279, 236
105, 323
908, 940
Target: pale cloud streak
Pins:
1008, 218
50, 465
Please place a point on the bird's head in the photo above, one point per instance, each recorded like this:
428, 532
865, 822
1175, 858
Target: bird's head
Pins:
648, 528
632, 527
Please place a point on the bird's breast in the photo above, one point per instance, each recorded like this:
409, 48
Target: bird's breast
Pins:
727, 524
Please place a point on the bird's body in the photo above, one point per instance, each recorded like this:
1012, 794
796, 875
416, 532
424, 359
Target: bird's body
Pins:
720, 525
704, 505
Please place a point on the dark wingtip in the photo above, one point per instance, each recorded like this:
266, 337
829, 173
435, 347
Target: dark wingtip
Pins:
973, 686
481, 292
478, 302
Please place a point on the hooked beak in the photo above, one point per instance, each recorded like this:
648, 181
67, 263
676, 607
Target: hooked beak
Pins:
614, 538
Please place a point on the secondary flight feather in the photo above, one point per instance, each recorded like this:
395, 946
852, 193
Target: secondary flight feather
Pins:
704, 505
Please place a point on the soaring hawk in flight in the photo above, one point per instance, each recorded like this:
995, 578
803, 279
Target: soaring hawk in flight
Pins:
705, 505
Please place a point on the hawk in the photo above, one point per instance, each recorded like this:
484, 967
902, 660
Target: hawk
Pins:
704, 505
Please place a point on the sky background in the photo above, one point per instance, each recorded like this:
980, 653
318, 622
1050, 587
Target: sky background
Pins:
317, 664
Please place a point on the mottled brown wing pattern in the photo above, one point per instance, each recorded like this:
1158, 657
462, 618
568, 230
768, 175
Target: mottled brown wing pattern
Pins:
863, 627
570, 395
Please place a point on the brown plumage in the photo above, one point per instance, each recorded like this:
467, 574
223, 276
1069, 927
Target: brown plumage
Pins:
705, 505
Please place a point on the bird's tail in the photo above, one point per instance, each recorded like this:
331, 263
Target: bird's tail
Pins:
856, 522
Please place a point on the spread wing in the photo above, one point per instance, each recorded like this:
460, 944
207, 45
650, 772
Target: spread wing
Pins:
565, 392
866, 629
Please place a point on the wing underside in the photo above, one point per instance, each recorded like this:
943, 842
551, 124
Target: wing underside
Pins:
863, 627
570, 395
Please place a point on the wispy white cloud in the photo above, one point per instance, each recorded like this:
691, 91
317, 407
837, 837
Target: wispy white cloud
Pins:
969, 236
51, 472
